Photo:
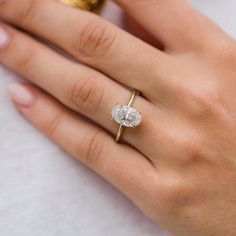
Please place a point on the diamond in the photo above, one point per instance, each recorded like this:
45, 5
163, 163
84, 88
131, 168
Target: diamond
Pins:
126, 116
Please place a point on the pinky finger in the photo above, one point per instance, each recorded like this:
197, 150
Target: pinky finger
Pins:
118, 163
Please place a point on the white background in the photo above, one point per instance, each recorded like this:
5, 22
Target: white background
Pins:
44, 192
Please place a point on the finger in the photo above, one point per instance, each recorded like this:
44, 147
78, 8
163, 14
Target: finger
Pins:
78, 87
176, 24
90, 39
141, 32
119, 164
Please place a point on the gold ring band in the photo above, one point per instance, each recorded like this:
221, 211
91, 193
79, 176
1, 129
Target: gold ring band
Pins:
126, 116
121, 128
88, 5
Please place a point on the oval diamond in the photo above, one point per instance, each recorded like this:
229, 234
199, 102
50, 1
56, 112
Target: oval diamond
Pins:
126, 116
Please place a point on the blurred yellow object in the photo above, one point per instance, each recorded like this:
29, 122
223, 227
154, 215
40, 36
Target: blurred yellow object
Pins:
88, 5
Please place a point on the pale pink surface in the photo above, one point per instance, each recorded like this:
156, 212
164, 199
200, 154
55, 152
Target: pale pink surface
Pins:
4, 38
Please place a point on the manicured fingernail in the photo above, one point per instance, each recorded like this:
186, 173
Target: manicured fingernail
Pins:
21, 95
4, 37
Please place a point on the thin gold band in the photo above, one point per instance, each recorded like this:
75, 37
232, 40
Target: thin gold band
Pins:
88, 5
121, 128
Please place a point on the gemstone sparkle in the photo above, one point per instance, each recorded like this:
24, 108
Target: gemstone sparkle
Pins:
126, 116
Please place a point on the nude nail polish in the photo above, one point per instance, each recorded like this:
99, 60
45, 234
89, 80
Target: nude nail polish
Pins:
4, 37
22, 95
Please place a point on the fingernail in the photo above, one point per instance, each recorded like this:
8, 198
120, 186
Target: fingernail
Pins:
21, 95
4, 36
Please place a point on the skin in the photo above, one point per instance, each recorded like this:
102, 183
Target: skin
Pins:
179, 165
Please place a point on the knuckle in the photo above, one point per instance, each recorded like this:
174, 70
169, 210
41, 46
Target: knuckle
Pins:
25, 58
28, 12
187, 146
203, 103
86, 95
94, 39
173, 195
187, 143
191, 152
51, 125
93, 147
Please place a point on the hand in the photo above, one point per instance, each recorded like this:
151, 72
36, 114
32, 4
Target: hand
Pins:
179, 165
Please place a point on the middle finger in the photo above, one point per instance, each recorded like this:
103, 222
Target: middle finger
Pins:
93, 41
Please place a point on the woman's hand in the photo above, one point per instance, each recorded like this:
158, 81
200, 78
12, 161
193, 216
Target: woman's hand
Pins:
179, 165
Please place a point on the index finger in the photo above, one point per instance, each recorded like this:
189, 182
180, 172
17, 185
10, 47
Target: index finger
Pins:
91, 40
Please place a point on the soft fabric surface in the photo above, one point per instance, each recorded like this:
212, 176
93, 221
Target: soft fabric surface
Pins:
44, 192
